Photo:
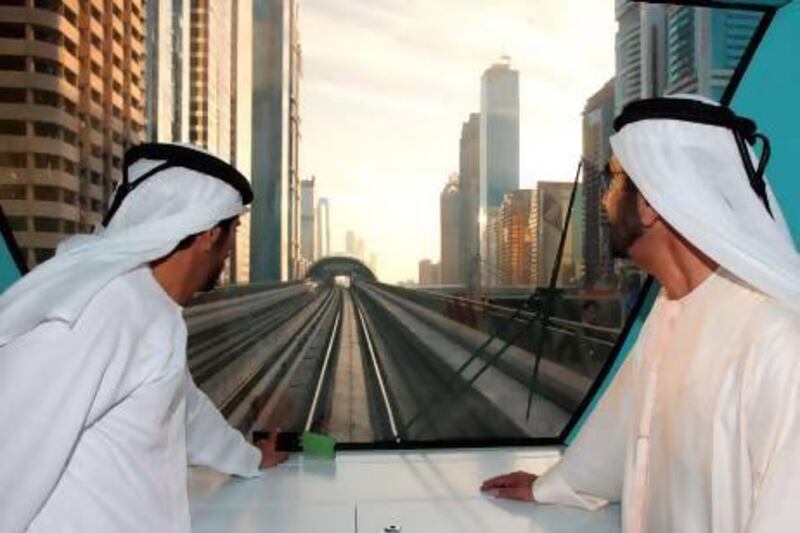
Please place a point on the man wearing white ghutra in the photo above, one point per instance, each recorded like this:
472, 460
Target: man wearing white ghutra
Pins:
99, 416
700, 430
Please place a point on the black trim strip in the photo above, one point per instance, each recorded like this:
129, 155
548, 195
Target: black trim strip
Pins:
740, 6
686, 110
11, 244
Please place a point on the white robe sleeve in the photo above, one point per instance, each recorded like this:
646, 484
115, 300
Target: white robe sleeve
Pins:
50, 390
212, 442
772, 417
590, 473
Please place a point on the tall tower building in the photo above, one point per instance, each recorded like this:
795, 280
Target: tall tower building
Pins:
469, 193
308, 222
276, 67
704, 46
499, 133
515, 247
499, 147
241, 123
160, 71
491, 274
598, 117
72, 97
210, 76
547, 223
640, 52
449, 212
323, 228
429, 273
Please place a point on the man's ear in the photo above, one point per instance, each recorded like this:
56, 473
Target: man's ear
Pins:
208, 238
647, 214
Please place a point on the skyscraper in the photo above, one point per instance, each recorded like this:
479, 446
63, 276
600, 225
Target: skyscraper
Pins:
491, 275
704, 46
323, 228
275, 66
210, 76
160, 73
515, 246
469, 193
241, 133
449, 212
499, 146
547, 223
429, 273
639, 52
71, 101
308, 225
499, 133
598, 117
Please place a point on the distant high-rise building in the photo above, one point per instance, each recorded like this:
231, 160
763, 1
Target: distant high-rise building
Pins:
241, 127
323, 228
704, 47
429, 273
294, 135
491, 275
160, 72
275, 66
547, 223
639, 52
307, 226
598, 117
72, 97
210, 76
499, 141
469, 193
449, 213
515, 246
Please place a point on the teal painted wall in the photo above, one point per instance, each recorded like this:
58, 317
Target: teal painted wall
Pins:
8, 269
768, 94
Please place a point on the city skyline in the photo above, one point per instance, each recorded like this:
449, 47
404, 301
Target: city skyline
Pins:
385, 94
386, 100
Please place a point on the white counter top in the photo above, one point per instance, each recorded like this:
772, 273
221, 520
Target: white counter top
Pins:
433, 491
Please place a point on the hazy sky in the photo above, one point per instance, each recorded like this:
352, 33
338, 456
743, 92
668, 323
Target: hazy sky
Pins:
387, 84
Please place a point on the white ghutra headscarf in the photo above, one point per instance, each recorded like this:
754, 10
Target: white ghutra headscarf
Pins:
693, 172
170, 192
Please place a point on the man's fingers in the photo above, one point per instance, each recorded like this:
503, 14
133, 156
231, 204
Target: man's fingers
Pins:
274, 459
497, 482
515, 493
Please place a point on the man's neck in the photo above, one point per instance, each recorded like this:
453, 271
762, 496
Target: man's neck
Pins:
173, 283
680, 268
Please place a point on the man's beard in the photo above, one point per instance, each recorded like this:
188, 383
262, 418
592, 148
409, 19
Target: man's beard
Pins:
628, 227
213, 279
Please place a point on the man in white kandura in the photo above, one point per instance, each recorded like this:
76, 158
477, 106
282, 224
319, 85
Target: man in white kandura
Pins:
98, 413
700, 430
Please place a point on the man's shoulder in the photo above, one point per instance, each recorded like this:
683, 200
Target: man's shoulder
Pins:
775, 334
774, 317
135, 295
